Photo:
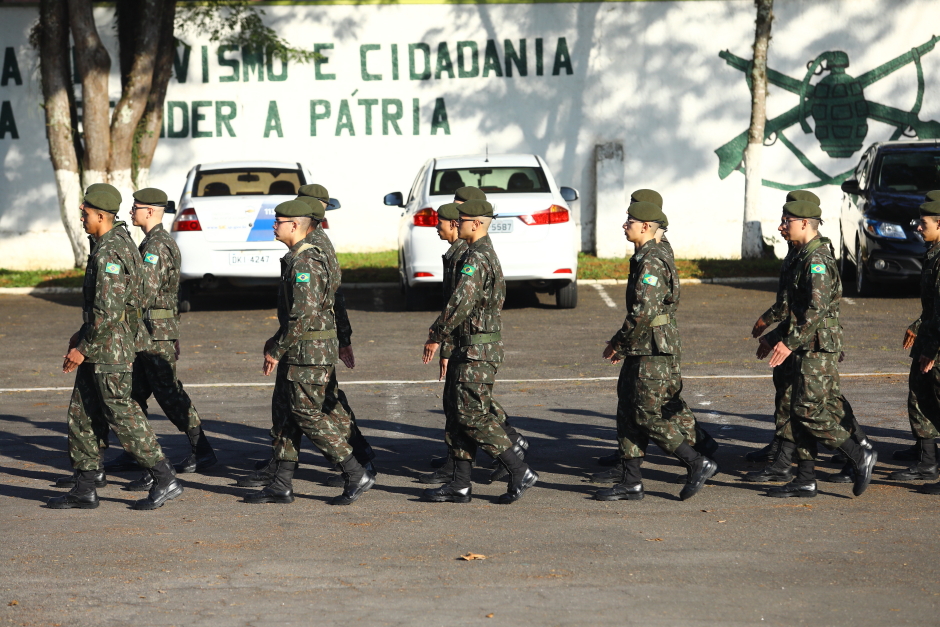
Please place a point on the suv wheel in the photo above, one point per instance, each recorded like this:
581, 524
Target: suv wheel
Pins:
567, 297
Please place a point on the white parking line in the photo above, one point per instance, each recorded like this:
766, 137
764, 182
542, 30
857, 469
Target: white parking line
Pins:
848, 301
604, 297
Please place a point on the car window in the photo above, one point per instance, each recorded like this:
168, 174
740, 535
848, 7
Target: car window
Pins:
519, 180
247, 182
418, 180
910, 172
861, 172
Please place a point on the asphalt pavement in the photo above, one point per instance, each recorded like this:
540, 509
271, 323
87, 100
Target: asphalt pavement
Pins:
729, 556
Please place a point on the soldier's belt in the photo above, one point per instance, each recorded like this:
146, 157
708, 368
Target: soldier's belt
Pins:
131, 315
660, 320
159, 314
319, 335
828, 323
479, 338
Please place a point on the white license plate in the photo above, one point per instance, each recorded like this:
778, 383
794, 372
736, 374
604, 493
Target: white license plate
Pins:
235, 259
502, 226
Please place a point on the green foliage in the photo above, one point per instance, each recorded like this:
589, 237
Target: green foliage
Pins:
41, 278
379, 267
591, 267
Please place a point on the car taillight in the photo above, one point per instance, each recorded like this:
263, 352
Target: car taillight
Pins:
552, 215
324, 223
187, 221
562, 271
422, 274
426, 217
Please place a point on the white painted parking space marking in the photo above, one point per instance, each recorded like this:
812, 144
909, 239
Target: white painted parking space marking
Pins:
848, 301
604, 296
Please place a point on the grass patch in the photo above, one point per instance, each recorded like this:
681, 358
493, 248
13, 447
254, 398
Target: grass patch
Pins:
380, 267
41, 278
591, 267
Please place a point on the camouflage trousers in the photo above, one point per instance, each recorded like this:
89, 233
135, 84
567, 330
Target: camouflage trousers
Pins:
923, 402
678, 410
451, 424
647, 384
475, 423
305, 402
155, 373
103, 399
816, 411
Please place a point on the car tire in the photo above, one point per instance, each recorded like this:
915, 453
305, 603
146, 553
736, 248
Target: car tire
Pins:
185, 302
863, 285
566, 297
846, 267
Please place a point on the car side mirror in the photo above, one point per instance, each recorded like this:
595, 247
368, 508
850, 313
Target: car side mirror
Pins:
394, 199
333, 204
850, 186
570, 194
170, 207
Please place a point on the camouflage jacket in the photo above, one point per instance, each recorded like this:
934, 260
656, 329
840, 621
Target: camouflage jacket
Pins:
453, 262
814, 289
927, 326
652, 300
474, 306
305, 303
343, 327
781, 309
112, 332
160, 272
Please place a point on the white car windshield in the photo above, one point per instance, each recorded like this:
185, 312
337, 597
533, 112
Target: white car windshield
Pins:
909, 172
247, 182
518, 180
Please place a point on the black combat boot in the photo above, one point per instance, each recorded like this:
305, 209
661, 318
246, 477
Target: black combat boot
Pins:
780, 470
804, 485
846, 475
705, 444
443, 474
613, 474
260, 477
766, 454
910, 454
521, 477
122, 463
458, 490
520, 447
358, 480
202, 455
82, 496
68, 481
610, 460
701, 469
864, 460
364, 454
925, 469
281, 489
141, 484
630, 487
165, 486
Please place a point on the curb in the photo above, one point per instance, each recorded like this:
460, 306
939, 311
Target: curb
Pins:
715, 280
40, 290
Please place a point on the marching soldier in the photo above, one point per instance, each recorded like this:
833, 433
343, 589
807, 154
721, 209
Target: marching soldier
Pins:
102, 354
648, 346
474, 310
304, 352
812, 337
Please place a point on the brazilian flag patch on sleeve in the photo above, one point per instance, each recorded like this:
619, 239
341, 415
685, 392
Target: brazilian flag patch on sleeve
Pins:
151, 258
303, 277
818, 268
649, 279
112, 268
468, 270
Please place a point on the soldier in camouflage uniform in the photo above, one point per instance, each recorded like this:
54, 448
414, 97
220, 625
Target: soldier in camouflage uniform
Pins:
923, 339
304, 352
102, 354
474, 309
648, 345
813, 336
155, 367
317, 198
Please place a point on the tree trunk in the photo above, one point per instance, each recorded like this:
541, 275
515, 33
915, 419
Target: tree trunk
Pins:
59, 107
752, 241
149, 129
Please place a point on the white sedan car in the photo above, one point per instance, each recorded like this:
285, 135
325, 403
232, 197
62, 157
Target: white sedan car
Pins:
224, 223
533, 233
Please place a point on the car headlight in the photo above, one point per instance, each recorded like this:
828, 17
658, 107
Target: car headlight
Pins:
887, 230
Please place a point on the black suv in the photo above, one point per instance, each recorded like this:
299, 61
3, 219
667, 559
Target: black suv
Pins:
879, 213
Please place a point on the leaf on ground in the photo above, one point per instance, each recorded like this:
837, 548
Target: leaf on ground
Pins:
655, 540
13, 602
490, 615
472, 556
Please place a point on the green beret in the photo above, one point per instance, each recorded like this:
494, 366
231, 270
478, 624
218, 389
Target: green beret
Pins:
802, 194
104, 187
931, 208
151, 196
464, 194
314, 191
449, 211
934, 195
293, 209
476, 209
105, 201
802, 209
646, 212
647, 195
317, 210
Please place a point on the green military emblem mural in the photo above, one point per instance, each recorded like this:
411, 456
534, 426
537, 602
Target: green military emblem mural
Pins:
840, 112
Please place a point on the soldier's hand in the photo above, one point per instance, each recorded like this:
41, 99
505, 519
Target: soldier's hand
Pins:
443, 369
429, 349
73, 359
347, 357
267, 346
763, 349
176, 347
73, 341
269, 365
909, 337
610, 354
841, 357
759, 327
779, 355
926, 365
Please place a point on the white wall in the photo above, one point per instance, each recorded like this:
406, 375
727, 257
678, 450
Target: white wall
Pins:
644, 74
